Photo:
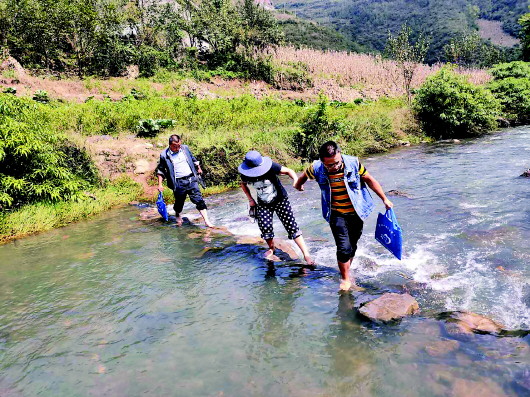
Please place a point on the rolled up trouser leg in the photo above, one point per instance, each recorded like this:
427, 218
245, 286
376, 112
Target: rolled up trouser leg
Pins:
346, 229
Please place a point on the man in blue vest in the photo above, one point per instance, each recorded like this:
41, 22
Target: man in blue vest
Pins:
346, 201
181, 170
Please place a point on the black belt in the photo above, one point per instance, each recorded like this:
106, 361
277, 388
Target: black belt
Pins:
186, 177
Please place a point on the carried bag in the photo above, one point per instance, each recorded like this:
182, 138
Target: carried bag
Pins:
162, 210
388, 232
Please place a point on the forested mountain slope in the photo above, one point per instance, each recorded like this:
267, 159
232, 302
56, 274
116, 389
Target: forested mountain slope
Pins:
367, 22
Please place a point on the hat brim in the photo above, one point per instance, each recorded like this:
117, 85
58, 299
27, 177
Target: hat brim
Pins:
260, 170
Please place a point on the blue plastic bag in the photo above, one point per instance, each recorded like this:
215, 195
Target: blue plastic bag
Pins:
388, 232
162, 210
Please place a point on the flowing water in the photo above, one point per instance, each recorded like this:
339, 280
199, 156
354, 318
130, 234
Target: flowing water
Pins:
120, 307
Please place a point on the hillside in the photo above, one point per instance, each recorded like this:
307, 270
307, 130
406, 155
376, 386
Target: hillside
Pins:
367, 22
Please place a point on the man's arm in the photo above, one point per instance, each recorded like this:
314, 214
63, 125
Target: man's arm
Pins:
299, 184
376, 187
160, 179
246, 190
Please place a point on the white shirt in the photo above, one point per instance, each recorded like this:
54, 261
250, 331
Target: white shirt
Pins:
180, 163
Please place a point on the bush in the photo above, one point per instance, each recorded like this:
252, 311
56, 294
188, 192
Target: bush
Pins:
511, 85
315, 129
518, 69
149, 128
36, 163
514, 96
219, 162
41, 96
448, 106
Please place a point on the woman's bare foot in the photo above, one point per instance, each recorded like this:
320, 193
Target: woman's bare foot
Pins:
309, 260
209, 224
345, 285
268, 254
179, 221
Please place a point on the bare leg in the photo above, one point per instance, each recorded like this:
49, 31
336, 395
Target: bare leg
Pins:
179, 220
345, 281
204, 214
301, 244
270, 252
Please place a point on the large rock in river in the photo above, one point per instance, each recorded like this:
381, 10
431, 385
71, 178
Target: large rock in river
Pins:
526, 174
390, 307
467, 323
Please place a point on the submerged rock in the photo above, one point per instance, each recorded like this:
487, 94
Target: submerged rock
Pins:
398, 193
471, 388
390, 306
468, 323
442, 347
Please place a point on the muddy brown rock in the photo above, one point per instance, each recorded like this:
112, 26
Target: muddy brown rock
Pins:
390, 306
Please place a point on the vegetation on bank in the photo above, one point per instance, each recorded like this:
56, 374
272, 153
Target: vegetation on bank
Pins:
46, 215
220, 131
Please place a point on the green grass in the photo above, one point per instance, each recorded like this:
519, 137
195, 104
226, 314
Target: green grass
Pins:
35, 218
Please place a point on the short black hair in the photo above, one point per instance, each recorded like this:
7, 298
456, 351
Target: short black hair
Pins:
328, 149
174, 138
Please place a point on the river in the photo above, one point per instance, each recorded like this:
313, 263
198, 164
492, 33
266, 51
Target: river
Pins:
121, 307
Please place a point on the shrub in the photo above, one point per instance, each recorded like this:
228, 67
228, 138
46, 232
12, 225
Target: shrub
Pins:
518, 69
219, 162
10, 90
149, 128
316, 128
450, 107
36, 163
511, 85
41, 96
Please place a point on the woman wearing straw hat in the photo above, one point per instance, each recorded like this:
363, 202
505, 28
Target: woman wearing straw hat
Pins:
262, 173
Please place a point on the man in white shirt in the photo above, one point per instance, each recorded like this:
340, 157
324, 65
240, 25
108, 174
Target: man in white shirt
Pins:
181, 170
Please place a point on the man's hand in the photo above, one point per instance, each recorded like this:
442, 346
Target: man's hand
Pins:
388, 204
298, 186
199, 170
160, 188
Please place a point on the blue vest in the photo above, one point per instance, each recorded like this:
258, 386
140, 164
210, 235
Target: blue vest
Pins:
357, 191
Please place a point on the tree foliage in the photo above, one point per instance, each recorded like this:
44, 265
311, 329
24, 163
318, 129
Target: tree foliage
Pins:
407, 54
524, 21
448, 106
103, 37
470, 50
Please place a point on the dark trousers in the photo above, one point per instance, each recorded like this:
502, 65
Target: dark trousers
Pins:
187, 187
347, 230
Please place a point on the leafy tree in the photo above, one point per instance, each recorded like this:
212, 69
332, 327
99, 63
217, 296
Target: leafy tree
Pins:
407, 54
448, 106
524, 21
470, 50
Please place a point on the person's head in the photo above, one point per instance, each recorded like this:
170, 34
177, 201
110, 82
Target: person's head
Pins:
174, 143
330, 156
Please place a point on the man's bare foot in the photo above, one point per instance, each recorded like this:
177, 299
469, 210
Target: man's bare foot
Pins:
345, 285
179, 221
